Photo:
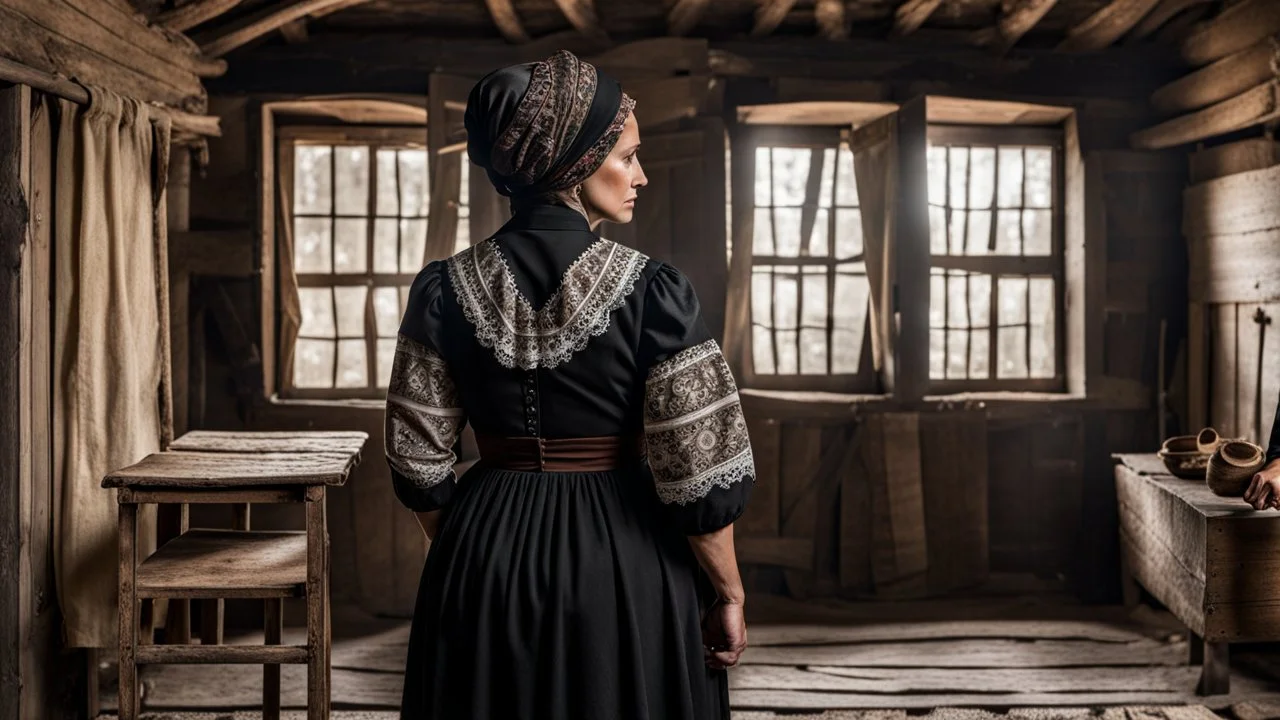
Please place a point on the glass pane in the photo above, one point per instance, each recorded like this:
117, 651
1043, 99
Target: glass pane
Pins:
819, 236
980, 358
850, 303
1009, 193
979, 300
937, 299
828, 177
388, 200
790, 175
786, 297
815, 300
762, 350
957, 353
404, 299
350, 252
958, 231
386, 310
1008, 232
350, 301
958, 301
313, 364
764, 178
1037, 232
413, 183
353, 364
937, 175
846, 347
317, 312
413, 245
788, 360
937, 354
385, 232
312, 192
1013, 352
813, 352
386, 355
846, 180
1039, 177
959, 181
979, 231
312, 251
848, 233
937, 230
762, 244
351, 163
787, 231
762, 296
1042, 328
1013, 301
982, 176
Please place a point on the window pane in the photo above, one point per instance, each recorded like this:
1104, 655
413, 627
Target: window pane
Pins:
1039, 173
937, 175
313, 363
1010, 190
937, 298
846, 347
958, 231
788, 360
311, 176
413, 183
764, 178
351, 163
350, 302
1013, 301
388, 198
413, 245
385, 232
787, 231
958, 300
762, 244
312, 246
846, 181
352, 364
957, 353
979, 300
352, 238
1042, 328
938, 354
959, 181
1037, 232
386, 310
786, 295
1009, 232
979, 231
762, 296
404, 299
790, 176
762, 350
813, 352
462, 234
386, 355
849, 317
815, 299
980, 359
848, 233
317, 312
828, 177
820, 234
982, 176
937, 230
1013, 352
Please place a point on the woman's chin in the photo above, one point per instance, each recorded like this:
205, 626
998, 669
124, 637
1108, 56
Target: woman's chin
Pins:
624, 215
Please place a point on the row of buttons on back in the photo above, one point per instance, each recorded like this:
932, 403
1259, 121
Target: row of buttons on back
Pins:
531, 402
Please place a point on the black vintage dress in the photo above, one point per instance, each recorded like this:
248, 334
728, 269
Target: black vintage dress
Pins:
563, 596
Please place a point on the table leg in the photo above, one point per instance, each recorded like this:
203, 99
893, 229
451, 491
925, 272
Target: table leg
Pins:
273, 627
128, 601
1215, 676
318, 664
1195, 644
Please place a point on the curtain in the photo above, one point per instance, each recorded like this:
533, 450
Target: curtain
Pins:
290, 311
112, 403
875, 167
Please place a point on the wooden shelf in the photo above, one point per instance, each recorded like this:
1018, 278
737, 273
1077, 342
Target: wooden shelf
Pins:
227, 564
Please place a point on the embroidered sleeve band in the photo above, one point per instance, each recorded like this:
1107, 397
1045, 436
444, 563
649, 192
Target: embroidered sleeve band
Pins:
694, 428
424, 415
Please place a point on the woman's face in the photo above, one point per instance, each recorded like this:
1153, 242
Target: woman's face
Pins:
610, 192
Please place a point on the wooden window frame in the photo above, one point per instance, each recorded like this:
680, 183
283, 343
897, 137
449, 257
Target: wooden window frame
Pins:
374, 137
1052, 265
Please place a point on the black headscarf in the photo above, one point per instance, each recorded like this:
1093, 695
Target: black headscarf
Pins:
546, 126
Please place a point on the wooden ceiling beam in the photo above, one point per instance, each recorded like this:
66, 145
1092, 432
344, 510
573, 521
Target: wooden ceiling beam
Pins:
581, 14
1164, 12
1220, 80
831, 19
1231, 31
1252, 107
769, 15
270, 18
193, 13
504, 16
1016, 19
684, 15
911, 14
1107, 25
295, 33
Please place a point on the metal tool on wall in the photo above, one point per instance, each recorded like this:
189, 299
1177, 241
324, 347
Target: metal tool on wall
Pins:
1263, 320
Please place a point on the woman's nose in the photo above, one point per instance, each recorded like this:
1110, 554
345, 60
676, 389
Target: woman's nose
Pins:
641, 180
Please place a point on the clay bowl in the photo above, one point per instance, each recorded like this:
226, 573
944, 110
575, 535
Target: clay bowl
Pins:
1208, 440
1232, 466
1182, 457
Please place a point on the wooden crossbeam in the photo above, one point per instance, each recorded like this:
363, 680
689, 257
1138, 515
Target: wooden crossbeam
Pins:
769, 15
295, 32
1253, 107
504, 16
1220, 80
1231, 31
1107, 25
831, 19
193, 13
581, 14
1163, 13
1015, 21
270, 18
683, 15
911, 14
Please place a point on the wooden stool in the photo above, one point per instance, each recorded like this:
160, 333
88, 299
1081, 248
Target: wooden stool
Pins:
234, 468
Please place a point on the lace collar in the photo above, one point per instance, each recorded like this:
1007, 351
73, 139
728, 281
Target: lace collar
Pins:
593, 286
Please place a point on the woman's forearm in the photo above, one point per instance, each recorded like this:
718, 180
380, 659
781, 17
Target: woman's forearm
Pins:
716, 556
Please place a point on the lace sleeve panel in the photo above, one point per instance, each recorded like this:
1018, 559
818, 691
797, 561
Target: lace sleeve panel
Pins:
423, 420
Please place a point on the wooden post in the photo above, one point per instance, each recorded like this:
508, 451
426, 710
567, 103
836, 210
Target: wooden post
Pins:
128, 612
318, 649
273, 627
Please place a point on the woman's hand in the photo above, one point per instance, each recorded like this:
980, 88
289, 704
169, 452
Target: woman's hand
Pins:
429, 522
724, 635
1264, 490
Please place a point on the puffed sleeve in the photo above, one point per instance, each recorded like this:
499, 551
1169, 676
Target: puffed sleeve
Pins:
695, 433
424, 415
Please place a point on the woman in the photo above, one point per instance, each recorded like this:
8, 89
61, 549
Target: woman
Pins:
569, 576
1264, 490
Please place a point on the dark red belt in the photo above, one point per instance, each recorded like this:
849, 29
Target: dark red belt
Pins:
535, 454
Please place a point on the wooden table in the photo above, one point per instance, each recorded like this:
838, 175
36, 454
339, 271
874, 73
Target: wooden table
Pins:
236, 468
1213, 561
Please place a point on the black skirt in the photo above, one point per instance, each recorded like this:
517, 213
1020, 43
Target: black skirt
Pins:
560, 596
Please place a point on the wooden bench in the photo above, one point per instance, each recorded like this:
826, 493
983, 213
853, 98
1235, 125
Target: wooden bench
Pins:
240, 469
1213, 561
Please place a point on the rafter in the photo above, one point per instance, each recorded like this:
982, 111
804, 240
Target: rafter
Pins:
504, 16
1107, 25
1016, 20
270, 18
582, 15
831, 19
1163, 13
769, 15
911, 14
684, 15
295, 33
193, 13
1232, 30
